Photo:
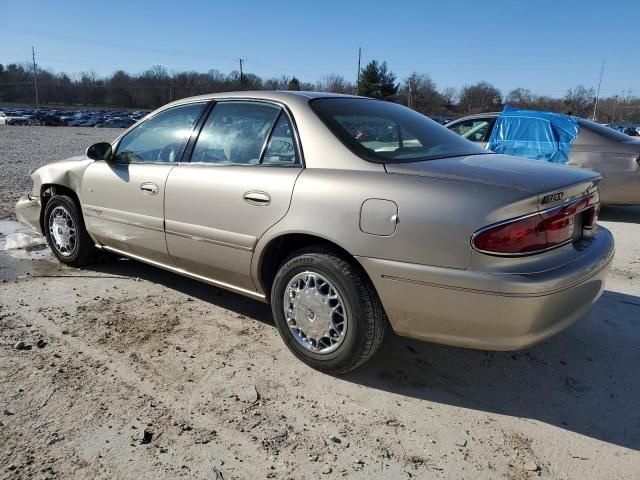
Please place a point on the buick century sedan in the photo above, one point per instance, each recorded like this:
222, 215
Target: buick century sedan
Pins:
350, 216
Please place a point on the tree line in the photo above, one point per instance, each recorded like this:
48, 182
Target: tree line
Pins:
157, 86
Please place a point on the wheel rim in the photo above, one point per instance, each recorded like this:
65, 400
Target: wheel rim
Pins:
62, 230
315, 312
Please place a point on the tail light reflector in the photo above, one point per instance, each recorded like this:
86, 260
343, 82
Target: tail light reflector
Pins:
539, 231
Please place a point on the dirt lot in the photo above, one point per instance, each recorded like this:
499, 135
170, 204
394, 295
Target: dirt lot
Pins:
127, 371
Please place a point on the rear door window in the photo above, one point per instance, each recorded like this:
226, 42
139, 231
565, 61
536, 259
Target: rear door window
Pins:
235, 133
281, 149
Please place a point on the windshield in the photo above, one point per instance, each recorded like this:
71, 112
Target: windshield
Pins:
386, 132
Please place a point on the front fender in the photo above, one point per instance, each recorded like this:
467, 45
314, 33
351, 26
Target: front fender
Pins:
67, 173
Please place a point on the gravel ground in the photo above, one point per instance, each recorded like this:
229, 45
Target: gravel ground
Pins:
126, 371
23, 149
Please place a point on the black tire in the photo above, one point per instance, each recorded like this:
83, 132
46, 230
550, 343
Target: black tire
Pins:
83, 251
366, 320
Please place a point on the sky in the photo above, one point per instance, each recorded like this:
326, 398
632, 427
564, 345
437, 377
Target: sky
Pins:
545, 46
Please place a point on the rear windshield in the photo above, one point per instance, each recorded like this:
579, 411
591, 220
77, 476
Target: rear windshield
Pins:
386, 132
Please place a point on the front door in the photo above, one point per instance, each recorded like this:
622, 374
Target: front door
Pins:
123, 199
238, 184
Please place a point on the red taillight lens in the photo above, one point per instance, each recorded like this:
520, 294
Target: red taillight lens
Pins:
520, 236
538, 232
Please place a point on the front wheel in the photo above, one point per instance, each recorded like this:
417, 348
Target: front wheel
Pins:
327, 311
65, 232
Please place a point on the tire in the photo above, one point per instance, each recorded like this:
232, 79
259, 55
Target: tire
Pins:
361, 332
74, 246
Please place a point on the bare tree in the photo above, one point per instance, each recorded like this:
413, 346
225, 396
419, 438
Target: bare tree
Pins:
521, 98
450, 96
481, 97
419, 92
335, 84
579, 100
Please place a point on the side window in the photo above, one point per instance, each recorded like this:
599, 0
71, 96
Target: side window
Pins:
235, 133
161, 138
281, 149
476, 130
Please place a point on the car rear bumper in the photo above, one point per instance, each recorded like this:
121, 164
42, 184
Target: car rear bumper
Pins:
28, 212
490, 311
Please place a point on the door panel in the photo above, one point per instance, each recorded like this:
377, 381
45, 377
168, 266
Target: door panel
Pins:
123, 206
211, 228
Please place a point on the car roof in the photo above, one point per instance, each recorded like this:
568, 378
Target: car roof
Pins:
284, 96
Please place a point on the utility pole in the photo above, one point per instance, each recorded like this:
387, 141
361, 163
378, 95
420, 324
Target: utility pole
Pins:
410, 102
358, 76
35, 75
595, 107
241, 75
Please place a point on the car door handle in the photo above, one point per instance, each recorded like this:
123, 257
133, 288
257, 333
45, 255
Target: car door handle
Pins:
257, 198
149, 188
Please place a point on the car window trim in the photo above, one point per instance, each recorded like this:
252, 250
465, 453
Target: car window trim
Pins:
265, 145
186, 157
116, 143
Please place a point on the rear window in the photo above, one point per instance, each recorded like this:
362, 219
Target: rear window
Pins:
386, 132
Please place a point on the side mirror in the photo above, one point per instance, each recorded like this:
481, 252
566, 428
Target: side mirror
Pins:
99, 151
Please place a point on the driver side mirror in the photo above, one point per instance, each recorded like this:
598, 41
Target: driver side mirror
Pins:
100, 151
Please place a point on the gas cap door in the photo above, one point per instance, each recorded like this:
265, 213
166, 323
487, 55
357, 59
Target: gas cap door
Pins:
378, 217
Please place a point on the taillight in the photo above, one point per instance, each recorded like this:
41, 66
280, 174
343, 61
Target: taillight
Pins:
540, 231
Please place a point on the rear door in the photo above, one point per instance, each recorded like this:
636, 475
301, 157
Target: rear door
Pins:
123, 199
238, 183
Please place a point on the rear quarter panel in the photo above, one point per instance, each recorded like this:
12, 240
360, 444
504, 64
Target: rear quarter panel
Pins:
436, 217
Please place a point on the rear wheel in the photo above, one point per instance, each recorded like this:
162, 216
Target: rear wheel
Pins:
65, 232
327, 311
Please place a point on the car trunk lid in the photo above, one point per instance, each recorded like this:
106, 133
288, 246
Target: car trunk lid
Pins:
551, 183
531, 176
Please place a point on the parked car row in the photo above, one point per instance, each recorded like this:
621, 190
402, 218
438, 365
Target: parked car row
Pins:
70, 118
631, 129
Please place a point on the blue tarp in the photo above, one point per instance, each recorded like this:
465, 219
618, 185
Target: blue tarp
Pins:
531, 134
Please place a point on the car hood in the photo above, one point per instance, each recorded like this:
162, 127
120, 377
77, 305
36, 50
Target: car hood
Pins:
533, 176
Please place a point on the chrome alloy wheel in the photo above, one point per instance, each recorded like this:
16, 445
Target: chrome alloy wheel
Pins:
62, 230
315, 312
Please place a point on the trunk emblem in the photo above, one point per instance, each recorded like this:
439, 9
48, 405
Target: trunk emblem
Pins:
554, 197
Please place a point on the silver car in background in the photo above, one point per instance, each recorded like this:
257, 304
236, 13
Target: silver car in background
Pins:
611, 153
346, 214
